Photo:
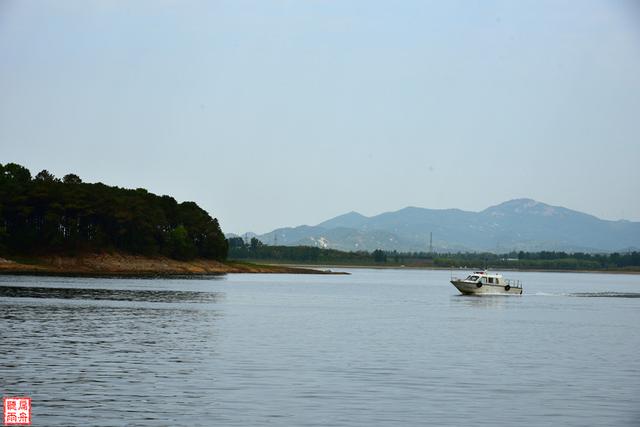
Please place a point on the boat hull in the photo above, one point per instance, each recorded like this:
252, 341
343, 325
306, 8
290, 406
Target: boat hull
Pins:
471, 288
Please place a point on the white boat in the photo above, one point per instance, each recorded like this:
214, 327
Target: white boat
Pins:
485, 283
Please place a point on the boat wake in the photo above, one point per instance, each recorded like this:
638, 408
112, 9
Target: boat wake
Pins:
591, 294
548, 294
606, 294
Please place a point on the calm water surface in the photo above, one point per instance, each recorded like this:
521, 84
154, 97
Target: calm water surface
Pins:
377, 348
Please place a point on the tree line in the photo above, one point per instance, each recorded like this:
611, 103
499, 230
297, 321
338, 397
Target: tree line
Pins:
46, 215
544, 260
256, 250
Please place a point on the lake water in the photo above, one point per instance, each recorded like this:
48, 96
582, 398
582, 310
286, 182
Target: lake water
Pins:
376, 348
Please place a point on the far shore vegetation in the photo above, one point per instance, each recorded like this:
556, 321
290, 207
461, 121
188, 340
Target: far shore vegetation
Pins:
255, 250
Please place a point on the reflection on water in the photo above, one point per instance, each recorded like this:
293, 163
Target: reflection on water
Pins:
108, 294
489, 301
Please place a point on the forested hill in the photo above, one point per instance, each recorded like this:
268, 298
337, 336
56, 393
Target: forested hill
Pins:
47, 215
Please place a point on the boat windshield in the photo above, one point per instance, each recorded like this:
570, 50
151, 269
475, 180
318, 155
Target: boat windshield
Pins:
472, 278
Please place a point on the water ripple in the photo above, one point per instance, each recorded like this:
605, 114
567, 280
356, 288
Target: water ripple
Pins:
108, 294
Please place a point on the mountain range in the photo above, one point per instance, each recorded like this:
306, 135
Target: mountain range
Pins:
521, 224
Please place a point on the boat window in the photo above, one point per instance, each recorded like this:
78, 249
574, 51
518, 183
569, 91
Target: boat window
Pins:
497, 281
490, 279
484, 280
472, 278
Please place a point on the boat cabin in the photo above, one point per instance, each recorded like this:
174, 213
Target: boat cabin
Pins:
485, 278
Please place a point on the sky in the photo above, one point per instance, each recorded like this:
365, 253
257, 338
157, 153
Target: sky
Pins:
281, 113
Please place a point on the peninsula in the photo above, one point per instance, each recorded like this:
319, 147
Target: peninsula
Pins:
68, 227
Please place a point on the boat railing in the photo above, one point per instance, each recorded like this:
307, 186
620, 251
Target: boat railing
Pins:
513, 283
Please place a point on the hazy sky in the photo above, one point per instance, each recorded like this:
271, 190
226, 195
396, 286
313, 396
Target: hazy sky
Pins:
274, 113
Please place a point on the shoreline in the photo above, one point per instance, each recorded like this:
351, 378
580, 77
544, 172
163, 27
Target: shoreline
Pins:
454, 269
121, 265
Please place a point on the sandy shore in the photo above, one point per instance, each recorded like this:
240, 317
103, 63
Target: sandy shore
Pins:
133, 265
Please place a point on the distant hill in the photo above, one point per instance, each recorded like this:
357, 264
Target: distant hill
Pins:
521, 224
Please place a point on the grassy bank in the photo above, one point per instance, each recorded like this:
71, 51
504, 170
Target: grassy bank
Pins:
134, 265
